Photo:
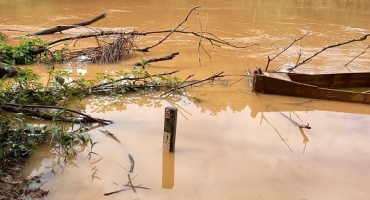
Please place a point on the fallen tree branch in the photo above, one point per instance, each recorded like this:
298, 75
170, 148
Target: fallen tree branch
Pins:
357, 56
211, 78
114, 192
133, 78
173, 30
144, 62
33, 110
66, 27
364, 37
168, 93
213, 39
285, 48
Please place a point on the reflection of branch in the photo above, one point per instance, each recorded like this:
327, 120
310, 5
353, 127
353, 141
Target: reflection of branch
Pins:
282, 139
294, 122
357, 55
286, 48
305, 139
214, 39
291, 120
329, 47
182, 110
132, 161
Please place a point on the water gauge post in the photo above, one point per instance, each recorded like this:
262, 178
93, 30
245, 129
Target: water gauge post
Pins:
169, 134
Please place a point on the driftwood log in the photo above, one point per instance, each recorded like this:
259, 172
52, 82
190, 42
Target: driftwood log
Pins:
61, 28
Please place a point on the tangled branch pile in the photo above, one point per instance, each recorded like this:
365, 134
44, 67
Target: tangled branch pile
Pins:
110, 49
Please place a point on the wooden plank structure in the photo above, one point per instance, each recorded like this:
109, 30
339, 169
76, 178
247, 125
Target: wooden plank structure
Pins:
336, 87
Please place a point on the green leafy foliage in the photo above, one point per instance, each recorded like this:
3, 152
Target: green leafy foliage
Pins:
17, 138
23, 53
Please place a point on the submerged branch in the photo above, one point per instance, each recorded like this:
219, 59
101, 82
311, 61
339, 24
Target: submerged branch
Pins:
144, 62
37, 111
357, 55
211, 78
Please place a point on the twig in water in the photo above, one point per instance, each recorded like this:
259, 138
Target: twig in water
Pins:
132, 163
138, 186
211, 78
130, 183
357, 55
93, 174
329, 47
173, 30
285, 48
237, 81
111, 135
42, 184
169, 92
135, 186
114, 192
299, 55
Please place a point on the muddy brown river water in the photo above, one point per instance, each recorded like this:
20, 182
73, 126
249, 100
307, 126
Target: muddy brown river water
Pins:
234, 144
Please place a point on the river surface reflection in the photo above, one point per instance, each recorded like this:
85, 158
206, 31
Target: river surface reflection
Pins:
234, 144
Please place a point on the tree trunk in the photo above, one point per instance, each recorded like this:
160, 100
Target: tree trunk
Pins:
9, 71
